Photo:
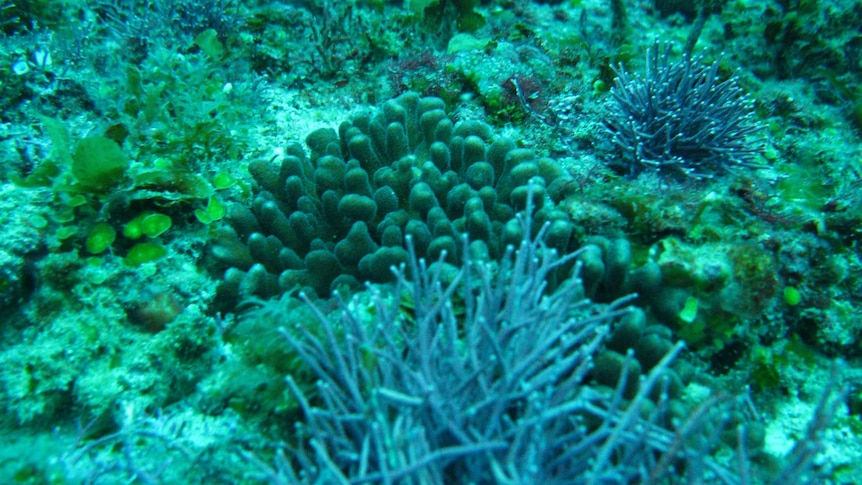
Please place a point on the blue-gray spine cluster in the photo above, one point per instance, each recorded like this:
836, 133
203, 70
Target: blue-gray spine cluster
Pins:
682, 118
494, 393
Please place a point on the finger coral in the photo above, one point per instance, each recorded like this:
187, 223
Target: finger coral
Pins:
340, 216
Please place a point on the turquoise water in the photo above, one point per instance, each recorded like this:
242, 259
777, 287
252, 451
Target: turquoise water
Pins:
203, 205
